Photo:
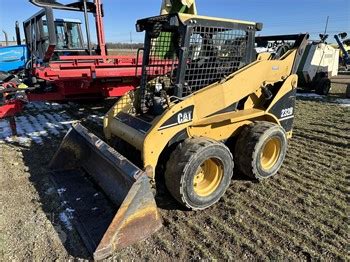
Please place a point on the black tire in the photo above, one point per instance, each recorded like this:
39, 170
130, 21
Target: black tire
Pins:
251, 144
323, 87
187, 161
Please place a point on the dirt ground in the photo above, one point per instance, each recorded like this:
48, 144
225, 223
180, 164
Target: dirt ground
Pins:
301, 213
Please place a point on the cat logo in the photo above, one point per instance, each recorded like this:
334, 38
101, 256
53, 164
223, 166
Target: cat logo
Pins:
184, 117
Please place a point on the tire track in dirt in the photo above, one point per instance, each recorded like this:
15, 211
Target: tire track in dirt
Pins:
339, 127
315, 145
245, 243
309, 170
310, 179
268, 245
313, 198
329, 218
321, 139
300, 187
311, 150
266, 234
187, 239
220, 252
264, 196
275, 232
326, 133
308, 161
286, 228
315, 148
208, 234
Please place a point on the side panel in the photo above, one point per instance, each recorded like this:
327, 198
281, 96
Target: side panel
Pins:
13, 58
284, 110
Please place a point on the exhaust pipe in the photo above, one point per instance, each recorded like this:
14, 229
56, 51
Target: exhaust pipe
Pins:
82, 156
18, 34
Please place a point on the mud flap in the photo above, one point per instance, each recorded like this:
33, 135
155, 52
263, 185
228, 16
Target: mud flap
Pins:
127, 186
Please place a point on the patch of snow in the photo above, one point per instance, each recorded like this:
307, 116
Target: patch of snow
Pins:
310, 95
26, 128
42, 120
54, 121
51, 127
38, 126
68, 123
66, 218
44, 106
343, 102
70, 210
5, 129
96, 119
60, 191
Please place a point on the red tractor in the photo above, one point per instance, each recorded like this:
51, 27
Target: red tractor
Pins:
62, 65
58, 64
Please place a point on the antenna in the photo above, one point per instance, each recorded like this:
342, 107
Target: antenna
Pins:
325, 30
323, 40
324, 36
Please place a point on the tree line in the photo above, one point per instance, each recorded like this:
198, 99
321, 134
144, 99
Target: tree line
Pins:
124, 45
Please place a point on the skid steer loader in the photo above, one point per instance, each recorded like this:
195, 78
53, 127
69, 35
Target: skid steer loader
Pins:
176, 125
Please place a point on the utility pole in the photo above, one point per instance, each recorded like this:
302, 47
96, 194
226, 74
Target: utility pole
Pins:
131, 40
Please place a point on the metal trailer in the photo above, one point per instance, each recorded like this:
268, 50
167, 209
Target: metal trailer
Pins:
62, 68
319, 64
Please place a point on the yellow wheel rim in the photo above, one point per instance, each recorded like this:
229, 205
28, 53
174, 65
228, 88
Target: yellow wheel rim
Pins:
270, 153
208, 177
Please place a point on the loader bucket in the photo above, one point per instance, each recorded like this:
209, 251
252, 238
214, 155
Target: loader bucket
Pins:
128, 215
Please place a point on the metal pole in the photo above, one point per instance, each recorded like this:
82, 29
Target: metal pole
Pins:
131, 41
87, 27
18, 34
100, 28
6, 38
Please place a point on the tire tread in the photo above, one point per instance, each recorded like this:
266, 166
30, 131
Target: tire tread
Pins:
182, 155
245, 161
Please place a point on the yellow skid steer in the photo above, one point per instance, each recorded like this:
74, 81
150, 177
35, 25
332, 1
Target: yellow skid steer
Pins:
178, 125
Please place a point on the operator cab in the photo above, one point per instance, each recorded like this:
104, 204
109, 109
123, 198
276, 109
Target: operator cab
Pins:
69, 35
186, 53
48, 38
